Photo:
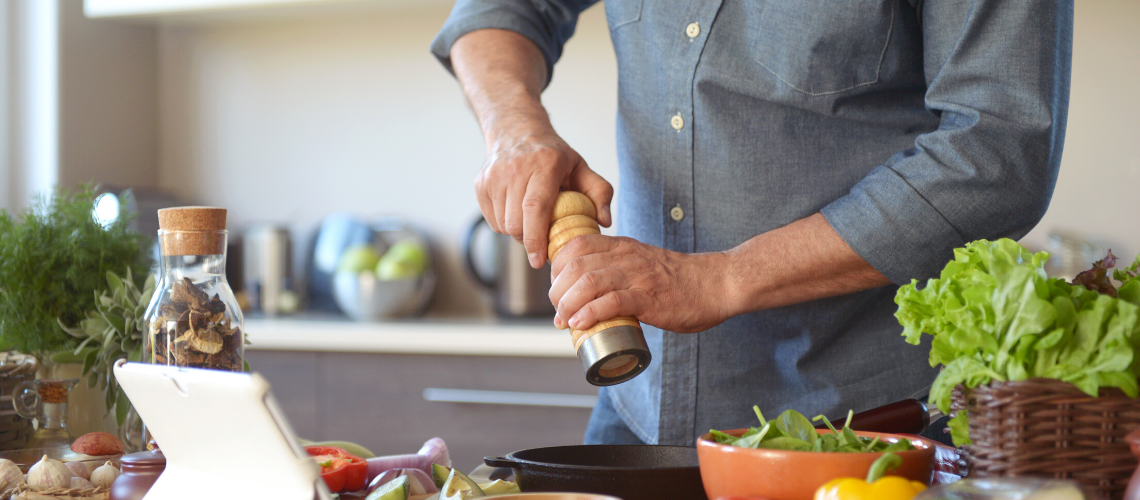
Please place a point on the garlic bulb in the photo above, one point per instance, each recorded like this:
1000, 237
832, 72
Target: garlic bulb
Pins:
10, 475
78, 469
49, 473
104, 475
78, 483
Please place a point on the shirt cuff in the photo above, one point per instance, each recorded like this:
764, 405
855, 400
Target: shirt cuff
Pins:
462, 23
893, 228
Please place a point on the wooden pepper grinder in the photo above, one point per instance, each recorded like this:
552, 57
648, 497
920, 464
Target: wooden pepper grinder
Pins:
1133, 440
611, 351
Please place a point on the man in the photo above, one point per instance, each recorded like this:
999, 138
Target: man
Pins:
785, 164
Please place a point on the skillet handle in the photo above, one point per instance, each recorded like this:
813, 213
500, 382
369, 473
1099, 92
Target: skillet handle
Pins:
908, 416
499, 462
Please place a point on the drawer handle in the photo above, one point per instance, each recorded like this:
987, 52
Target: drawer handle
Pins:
509, 398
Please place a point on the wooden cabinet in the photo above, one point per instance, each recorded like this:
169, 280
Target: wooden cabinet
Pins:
377, 400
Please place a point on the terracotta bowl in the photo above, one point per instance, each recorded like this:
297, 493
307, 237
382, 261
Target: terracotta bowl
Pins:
795, 475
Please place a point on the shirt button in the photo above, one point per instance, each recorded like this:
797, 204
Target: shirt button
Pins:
677, 122
677, 214
693, 29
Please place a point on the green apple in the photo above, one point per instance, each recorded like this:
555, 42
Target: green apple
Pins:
406, 259
358, 258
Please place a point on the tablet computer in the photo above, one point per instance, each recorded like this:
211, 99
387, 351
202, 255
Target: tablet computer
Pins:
222, 433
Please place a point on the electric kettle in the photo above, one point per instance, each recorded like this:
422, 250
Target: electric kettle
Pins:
516, 289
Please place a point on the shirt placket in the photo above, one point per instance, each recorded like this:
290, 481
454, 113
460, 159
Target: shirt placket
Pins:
678, 216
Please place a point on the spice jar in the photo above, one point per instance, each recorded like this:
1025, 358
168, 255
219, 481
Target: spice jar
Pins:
140, 471
193, 320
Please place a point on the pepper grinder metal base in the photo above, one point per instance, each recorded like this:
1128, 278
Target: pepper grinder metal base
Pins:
612, 351
614, 355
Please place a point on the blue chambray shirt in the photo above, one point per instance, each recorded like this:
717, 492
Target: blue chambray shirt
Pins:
913, 126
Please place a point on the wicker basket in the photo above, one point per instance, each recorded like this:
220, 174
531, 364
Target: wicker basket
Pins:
1049, 428
14, 429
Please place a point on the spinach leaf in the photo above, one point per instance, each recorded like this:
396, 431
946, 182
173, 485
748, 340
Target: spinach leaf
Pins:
753, 439
900, 445
793, 431
787, 443
795, 425
722, 437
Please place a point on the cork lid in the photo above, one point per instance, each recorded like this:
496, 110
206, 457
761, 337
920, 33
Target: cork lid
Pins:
192, 219
192, 231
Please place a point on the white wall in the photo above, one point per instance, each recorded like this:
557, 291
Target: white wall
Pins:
108, 94
80, 101
1098, 192
31, 153
287, 121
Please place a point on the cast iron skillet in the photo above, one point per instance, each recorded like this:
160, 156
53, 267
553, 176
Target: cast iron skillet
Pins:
625, 471
659, 472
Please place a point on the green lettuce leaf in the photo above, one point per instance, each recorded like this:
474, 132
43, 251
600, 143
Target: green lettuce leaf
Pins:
995, 315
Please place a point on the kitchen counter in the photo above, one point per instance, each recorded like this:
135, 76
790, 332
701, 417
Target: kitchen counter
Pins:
488, 387
449, 336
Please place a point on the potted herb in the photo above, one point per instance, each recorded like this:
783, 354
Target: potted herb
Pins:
111, 331
56, 265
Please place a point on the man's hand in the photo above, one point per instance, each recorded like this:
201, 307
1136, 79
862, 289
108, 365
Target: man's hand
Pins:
598, 277
502, 73
520, 182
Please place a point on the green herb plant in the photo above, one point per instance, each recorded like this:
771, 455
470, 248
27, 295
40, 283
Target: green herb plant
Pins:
996, 316
51, 259
113, 330
793, 431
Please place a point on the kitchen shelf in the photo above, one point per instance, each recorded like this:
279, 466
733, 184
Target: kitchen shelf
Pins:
196, 11
472, 337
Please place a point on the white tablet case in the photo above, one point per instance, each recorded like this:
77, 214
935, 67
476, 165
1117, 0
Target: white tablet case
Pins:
222, 433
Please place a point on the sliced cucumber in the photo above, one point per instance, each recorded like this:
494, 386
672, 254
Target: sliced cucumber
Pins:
396, 489
439, 475
499, 487
459, 487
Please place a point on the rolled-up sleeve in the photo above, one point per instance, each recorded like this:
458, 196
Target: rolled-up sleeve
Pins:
997, 76
549, 24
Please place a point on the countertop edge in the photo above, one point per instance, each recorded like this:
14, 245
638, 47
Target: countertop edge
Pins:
470, 338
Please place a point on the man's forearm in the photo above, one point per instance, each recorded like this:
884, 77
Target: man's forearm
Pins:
502, 74
803, 261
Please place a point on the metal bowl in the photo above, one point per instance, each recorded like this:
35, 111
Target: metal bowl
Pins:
363, 297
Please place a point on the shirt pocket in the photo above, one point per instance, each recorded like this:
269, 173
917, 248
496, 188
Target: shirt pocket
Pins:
622, 12
821, 47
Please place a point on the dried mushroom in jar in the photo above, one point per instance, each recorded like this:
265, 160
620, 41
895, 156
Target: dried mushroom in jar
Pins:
194, 330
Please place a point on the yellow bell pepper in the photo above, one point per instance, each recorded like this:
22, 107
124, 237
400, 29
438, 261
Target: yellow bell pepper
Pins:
875, 487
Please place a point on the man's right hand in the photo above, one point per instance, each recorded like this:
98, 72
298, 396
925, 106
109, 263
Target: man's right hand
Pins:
502, 74
520, 181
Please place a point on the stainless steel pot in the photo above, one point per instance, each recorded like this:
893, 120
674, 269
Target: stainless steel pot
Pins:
268, 268
516, 288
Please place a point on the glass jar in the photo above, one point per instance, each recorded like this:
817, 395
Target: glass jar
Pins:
193, 320
46, 401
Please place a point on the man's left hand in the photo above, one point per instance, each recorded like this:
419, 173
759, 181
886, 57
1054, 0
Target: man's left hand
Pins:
596, 277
